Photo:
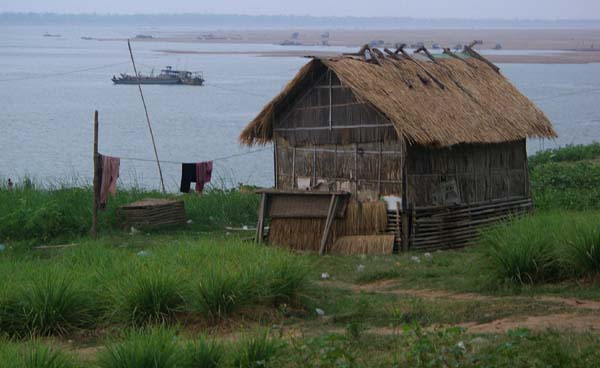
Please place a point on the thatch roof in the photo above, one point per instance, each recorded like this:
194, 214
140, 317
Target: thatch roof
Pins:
469, 103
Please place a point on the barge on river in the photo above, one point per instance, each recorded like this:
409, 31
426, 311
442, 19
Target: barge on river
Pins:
166, 76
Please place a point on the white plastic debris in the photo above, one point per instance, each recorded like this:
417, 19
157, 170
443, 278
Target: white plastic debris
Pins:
143, 253
190, 221
245, 227
133, 231
325, 276
415, 259
461, 345
360, 268
320, 312
427, 255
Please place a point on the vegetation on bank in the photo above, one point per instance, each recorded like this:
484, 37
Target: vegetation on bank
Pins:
64, 213
567, 178
180, 298
98, 285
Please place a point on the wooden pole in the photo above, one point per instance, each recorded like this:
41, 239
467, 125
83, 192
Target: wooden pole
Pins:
260, 226
328, 223
96, 180
137, 76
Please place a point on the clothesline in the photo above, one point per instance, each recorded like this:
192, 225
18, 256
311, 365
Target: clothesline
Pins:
180, 162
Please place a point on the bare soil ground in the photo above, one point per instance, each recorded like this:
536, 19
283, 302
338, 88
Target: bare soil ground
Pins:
583, 315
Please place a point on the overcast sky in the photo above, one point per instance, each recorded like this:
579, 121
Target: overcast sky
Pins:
524, 9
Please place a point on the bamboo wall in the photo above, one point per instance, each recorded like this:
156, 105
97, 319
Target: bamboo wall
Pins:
330, 113
482, 172
375, 167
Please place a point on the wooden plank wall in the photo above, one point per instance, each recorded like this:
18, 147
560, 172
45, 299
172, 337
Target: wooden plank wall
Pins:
482, 172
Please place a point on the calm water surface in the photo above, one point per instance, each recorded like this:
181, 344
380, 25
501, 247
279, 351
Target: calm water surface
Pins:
50, 87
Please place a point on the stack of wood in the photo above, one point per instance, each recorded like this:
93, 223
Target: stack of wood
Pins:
154, 213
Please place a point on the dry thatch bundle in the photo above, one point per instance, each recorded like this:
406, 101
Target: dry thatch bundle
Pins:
475, 105
366, 218
364, 244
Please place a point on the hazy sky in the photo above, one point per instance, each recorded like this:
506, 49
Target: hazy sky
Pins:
546, 9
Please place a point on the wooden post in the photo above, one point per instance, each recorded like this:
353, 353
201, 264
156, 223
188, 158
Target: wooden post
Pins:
405, 229
328, 222
261, 219
96, 180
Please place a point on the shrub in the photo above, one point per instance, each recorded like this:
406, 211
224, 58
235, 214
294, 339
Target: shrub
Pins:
222, 292
150, 296
569, 153
255, 351
53, 305
146, 348
204, 353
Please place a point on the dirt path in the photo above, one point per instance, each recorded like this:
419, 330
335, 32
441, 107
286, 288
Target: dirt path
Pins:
572, 320
391, 287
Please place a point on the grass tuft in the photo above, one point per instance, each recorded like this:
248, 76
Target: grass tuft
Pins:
521, 252
52, 305
33, 355
150, 296
222, 292
287, 279
146, 348
204, 353
255, 351
581, 255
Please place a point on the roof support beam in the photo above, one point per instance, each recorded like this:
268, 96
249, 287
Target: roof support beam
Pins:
469, 50
453, 55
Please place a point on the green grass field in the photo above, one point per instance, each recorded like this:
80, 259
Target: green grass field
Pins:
527, 295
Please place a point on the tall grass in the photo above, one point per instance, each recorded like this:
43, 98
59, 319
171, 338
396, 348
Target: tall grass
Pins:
63, 213
95, 284
542, 248
147, 348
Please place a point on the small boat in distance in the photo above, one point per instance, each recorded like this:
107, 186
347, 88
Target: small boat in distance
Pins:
166, 76
51, 35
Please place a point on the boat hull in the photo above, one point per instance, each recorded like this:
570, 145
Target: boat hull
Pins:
146, 81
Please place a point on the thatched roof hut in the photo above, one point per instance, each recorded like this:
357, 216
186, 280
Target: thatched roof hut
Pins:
423, 129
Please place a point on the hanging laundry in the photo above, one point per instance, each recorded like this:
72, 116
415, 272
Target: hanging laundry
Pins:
188, 175
199, 173
203, 175
110, 174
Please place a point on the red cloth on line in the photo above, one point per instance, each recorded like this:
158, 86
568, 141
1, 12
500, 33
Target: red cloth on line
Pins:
203, 175
110, 174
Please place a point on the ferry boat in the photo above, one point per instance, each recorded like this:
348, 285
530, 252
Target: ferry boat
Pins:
166, 76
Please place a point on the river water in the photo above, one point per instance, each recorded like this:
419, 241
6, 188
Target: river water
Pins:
50, 87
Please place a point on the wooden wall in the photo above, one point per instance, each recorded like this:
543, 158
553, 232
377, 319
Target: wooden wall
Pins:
482, 172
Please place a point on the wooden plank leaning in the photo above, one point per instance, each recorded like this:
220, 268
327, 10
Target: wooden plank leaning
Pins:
329, 222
